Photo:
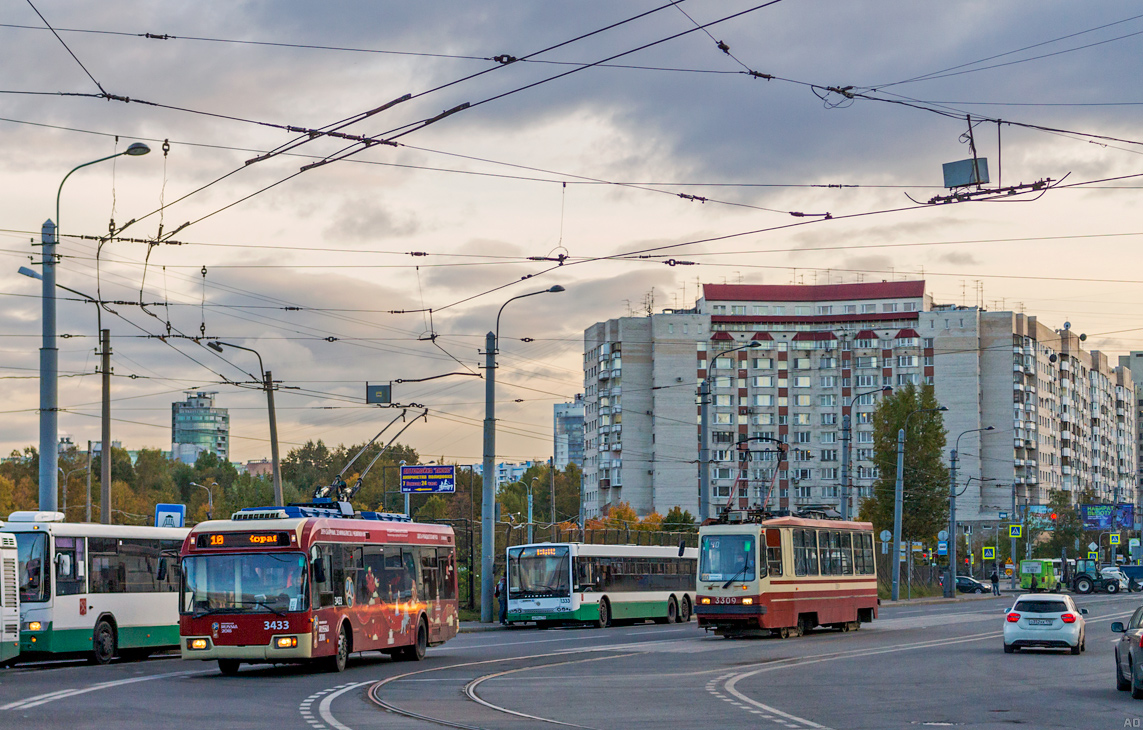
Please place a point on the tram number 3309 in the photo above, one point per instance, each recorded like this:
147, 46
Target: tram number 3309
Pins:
725, 599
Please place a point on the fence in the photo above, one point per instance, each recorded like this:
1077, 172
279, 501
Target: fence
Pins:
916, 579
508, 534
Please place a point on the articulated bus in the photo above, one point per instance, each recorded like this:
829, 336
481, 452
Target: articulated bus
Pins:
9, 600
315, 583
784, 575
100, 590
558, 583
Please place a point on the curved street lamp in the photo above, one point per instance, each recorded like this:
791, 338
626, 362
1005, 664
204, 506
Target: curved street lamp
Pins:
950, 584
704, 428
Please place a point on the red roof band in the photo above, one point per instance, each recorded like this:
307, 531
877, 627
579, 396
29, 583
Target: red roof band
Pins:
811, 293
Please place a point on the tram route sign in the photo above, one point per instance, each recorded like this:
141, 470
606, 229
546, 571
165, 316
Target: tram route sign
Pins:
429, 479
376, 393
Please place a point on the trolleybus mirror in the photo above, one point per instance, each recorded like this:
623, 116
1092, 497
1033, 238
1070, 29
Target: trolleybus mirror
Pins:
63, 566
319, 570
682, 547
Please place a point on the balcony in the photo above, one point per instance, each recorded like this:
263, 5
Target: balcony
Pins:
1018, 386
1018, 462
1065, 470
1017, 368
605, 410
605, 484
604, 374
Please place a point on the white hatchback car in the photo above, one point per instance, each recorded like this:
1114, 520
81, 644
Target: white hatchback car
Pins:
1044, 620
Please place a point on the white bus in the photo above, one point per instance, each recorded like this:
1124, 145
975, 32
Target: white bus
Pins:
555, 583
9, 600
101, 590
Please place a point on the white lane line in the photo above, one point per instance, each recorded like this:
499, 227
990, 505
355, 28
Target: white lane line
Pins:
323, 708
29, 702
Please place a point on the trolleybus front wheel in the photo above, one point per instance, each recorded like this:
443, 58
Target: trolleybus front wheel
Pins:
416, 652
604, 613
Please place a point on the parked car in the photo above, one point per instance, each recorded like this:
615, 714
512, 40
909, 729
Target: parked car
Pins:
965, 584
1045, 621
1129, 655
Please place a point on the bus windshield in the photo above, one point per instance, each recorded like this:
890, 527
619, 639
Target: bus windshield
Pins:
246, 583
538, 572
32, 552
727, 557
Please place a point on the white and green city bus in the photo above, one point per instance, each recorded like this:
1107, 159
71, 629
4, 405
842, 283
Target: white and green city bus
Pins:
557, 583
100, 590
9, 600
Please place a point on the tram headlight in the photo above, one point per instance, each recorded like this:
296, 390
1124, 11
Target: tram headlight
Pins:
286, 642
706, 601
747, 601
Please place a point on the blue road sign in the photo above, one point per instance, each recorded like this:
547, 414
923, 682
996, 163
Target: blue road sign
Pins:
381, 394
943, 547
170, 515
433, 479
1015, 531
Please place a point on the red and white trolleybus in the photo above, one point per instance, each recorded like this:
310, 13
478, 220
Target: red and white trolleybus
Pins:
315, 583
784, 575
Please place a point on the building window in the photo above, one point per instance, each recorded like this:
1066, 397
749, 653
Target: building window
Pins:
779, 310
825, 309
868, 308
829, 419
907, 342
801, 363
724, 400
828, 381
722, 363
759, 309
828, 363
865, 454
829, 455
889, 307
929, 342
803, 401
864, 437
866, 399
866, 344
851, 309
801, 419
670, 329
906, 378
802, 437
827, 401
722, 418
762, 419
867, 362
906, 361
762, 363
865, 417
802, 381
718, 309
829, 473
800, 311
763, 381
738, 309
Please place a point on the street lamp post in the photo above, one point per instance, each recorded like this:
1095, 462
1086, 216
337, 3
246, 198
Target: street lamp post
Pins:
704, 428
209, 498
846, 438
530, 486
67, 476
898, 498
49, 359
950, 584
487, 536
268, 386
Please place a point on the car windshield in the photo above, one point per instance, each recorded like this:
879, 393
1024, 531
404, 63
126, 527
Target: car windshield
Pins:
539, 572
32, 551
1040, 606
727, 557
246, 583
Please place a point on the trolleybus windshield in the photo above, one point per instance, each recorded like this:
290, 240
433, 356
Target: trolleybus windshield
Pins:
539, 572
32, 552
727, 557
246, 583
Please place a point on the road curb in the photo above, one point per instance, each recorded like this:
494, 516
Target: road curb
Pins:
477, 628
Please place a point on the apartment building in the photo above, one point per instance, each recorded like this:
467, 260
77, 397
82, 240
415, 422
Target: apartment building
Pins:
567, 430
807, 356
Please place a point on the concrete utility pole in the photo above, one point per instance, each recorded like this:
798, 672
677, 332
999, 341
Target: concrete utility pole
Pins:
487, 536
268, 384
49, 373
950, 587
105, 446
1012, 551
552, 474
898, 499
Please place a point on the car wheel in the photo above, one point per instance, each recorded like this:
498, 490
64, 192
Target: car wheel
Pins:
979, 590
1075, 649
1136, 687
1121, 683
1009, 649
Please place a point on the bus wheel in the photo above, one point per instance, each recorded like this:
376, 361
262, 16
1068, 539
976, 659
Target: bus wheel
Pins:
228, 667
103, 645
782, 633
604, 614
685, 610
337, 662
672, 612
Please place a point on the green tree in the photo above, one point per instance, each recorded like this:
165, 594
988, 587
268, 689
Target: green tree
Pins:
678, 520
1068, 527
925, 506
435, 508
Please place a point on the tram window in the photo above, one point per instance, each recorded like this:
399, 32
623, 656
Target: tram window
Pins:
823, 552
774, 552
846, 554
867, 550
805, 553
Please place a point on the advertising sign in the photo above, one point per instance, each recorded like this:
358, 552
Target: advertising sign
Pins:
1107, 516
433, 479
1040, 517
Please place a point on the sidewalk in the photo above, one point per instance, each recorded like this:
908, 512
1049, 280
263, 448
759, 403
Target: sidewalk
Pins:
475, 627
960, 598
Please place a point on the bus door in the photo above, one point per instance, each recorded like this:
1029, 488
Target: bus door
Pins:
72, 609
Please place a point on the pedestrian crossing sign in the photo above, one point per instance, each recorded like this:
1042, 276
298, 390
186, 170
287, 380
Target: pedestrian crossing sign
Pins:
1015, 531
1114, 538
989, 553
1092, 555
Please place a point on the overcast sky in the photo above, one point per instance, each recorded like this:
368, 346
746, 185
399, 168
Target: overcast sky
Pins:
482, 190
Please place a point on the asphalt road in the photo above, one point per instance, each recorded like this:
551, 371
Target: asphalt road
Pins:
934, 665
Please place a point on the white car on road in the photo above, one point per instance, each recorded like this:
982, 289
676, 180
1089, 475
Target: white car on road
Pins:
1044, 620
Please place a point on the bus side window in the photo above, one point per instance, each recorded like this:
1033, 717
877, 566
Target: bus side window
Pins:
428, 573
104, 555
446, 573
169, 553
370, 585
774, 552
70, 563
410, 578
585, 574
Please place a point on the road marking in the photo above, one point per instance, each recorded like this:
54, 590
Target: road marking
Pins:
323, 708
29, 702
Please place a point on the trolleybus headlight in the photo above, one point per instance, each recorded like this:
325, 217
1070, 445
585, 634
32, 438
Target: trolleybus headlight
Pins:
196, 643
34, 626
706, 601
286, 642
747, 601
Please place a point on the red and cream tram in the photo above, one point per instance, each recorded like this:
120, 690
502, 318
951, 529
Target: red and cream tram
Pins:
315, 583
784, 575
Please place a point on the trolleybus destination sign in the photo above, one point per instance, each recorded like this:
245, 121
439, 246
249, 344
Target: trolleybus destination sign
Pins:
428, 479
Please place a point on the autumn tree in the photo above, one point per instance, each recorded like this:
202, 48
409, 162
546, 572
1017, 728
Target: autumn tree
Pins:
678, 520
925, 507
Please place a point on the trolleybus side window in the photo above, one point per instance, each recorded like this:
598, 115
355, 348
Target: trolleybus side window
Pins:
774, 552
446, 573
323, 589
429, 574
846, 553
70, 565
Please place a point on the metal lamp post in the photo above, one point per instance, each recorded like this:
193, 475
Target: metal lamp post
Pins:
846, 438
950, 584
704, 428
268, 386
898, 498
487, 536
209, 498
49, 361
530, 486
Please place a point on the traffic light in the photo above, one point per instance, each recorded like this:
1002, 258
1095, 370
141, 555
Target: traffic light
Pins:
966, 561
1053, 516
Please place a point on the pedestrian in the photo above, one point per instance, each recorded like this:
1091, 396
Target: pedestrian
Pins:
995, 578
502, 594
1035, 588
